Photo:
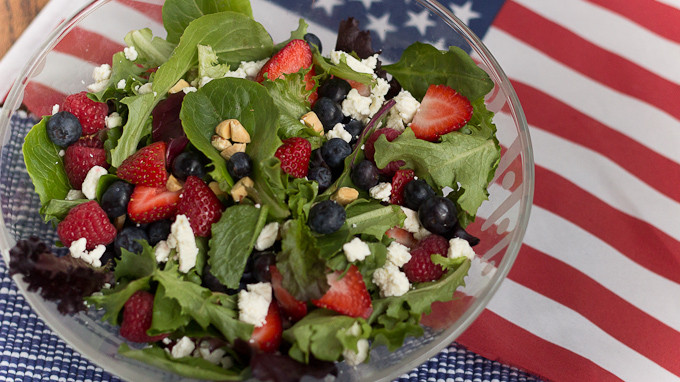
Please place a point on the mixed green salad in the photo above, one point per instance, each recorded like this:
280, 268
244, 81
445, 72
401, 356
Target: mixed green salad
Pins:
241, 207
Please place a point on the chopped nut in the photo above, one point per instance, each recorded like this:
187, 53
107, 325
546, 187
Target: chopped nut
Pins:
181, 84
238, 132
345, 195
173, 184
240, 189
119, 222
223, 129
311, 120
215, 187
219, 142
233, 149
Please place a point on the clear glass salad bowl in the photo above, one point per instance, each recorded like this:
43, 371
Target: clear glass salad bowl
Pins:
500, 224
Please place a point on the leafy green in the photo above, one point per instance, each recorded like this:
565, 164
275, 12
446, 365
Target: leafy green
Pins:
481, 123
44, 165
369, 217
167, 314
422, 65
446, 262
301, 196
298, 34
290, 97
463, 162
57, 209
132, 266
152, 51
177, 14
139, 107
121, 69
208, 64
233, 237
112, 300
303, 271
190, 367
325, 68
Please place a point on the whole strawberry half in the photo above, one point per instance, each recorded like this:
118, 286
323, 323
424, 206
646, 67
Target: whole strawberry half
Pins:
145, 167
79, 158
399, 181
294, 155
347, 294
267, 337
86, 220
137, 317
421, 268
150, 204
294, 309
200, 205
442, 111
91, 114
295, 56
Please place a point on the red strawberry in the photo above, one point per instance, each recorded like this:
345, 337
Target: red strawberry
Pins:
402, 236
137, 316
369, 149
79, 159
294, 155
399, 181
363, 89
421, 268
90, 113
149, 204
200, 205
267, 337
291, 307
347, 295
146, 167
309, 85
86, 220
442, 111
295, 56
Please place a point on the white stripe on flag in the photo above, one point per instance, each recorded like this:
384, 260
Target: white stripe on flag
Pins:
65, 73
671, 3
100, 22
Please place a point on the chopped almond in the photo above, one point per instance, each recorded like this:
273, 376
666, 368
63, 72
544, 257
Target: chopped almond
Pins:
238, 132
220, 143
181, 84
223, 129
233, 149
240, 189
345, 195
173, 184
312, 121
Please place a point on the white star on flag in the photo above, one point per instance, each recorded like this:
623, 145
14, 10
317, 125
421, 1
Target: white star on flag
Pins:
367, 3
380, 25
327, 5
464, 12
420, 21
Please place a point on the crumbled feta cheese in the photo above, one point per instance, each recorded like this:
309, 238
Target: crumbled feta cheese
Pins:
422, 233
354, 358
406, 106
251, 68
378, 92
113, 120
55, 108
267, 236
361, 66
381, 191
238, 73
183, 348
75, 195
356, 250
77, 248
78, 251
97, 87
391, 281
356, 106
101, 73
121, 84
189, 89
182, 239
61, 153
339, 131
398, 254
130, 53
226, 362
253, 304
460, 247
411, 223
91, 180
146, 88
214, 357
162, 251
166, 341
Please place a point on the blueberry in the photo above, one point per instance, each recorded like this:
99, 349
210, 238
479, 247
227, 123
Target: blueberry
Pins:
312, 39
365, 175
438, 215
328, 111
116, 198
128, 239
335, 88
354, 127
326, 217
316, 159
321, 175
334, 152
210, 281
158, 230
239, 165
187, 163
416, 192
260, 267
64, 128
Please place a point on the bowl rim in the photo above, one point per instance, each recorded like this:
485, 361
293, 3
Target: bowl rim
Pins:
15, 96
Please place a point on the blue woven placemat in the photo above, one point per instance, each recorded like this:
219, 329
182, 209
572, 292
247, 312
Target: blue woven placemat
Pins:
30, 351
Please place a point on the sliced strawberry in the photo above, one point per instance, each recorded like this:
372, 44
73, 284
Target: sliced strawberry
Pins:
149, 204
347, 294
295, 56
399, 181
363, 89
291, 307
146, 167
402, 236
267, 337
309, 85
294, 154
200, 205
442, 111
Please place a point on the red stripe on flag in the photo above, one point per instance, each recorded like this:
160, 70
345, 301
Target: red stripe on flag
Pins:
570, 287
89, 46
491, 335
39, 98
603, 66
154, 11
634, 238
550, 114
659, 18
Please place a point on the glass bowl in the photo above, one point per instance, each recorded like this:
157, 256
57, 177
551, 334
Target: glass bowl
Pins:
52, 73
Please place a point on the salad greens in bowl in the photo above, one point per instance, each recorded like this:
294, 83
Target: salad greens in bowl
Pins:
241, 189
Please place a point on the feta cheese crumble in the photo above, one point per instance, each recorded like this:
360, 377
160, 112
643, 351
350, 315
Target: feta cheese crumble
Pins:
113, 120
356, 250
366, 65
460, 247
189, 89
75, 195
253, 304
398, 254
381, 191
89, 187
101, 76
146, 88
267, 236
121, 84
411, 223
182, 239
130, 53
391, 281
55, 108
78, 251
354, 358
183, 348
214, 357
403, 110
338, 131
162, 251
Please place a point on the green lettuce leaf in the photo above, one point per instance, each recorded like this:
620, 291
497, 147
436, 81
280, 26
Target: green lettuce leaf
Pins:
112, 300
208, 64
167, 314
298, 34
57, 209
121, 69
152, 51
178, 14
369, 217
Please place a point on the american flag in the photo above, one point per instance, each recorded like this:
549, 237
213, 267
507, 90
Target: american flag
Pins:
595, 291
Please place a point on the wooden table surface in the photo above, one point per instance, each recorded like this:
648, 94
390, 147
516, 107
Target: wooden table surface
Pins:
15, 15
